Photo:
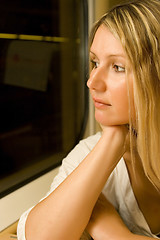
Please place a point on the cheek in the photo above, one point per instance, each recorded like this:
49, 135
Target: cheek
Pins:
123, 101
120, 99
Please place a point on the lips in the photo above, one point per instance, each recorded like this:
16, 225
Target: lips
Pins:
100, 104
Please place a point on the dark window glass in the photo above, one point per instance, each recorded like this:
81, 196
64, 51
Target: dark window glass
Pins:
43, 97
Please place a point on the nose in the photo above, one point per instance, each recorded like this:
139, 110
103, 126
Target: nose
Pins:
97, 79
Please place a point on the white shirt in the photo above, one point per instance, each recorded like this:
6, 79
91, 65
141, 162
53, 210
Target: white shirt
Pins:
117, 189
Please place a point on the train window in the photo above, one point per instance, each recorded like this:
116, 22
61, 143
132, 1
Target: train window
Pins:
43, 95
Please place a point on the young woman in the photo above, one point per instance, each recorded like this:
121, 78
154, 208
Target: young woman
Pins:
110, 183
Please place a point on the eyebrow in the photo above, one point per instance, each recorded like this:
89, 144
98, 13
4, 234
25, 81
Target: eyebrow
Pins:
111, 55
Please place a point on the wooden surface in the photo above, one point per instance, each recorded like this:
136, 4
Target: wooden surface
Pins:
8, 231
8, 236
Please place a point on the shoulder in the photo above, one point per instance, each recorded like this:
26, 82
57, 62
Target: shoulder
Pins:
75, 156
91, 141
80, 151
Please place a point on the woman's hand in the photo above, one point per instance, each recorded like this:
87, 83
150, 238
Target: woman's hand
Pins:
122, 134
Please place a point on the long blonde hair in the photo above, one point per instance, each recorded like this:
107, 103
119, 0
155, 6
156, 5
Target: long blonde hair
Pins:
137, 25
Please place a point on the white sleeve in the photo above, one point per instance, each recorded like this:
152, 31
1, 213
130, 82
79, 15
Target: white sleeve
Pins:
68, 165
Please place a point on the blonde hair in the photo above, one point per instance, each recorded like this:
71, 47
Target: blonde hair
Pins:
137, 25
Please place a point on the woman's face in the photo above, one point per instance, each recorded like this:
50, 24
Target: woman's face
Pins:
107, 82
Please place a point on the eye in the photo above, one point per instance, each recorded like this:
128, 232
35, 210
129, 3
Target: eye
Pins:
118, 68
94, 64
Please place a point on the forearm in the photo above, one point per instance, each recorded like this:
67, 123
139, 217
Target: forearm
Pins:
66, 212
106, 223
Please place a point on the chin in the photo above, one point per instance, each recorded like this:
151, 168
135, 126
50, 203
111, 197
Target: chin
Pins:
110, 121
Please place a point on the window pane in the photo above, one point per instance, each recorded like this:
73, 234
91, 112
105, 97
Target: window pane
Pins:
43, 99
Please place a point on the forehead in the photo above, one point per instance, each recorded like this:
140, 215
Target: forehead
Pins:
105, 42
